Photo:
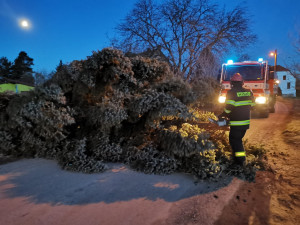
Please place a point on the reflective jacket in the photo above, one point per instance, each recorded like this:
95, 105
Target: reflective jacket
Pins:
238, 105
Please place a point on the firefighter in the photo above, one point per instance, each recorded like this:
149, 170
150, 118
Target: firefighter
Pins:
237, 109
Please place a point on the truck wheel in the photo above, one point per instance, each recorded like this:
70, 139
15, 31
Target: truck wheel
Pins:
264, 114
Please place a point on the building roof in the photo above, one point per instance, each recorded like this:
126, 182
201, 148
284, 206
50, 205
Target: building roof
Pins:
278, 68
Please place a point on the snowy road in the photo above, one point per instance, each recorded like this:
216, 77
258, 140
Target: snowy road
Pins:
37, 191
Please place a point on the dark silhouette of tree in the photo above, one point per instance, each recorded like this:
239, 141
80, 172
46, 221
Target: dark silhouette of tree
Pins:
5, 67
22, 66
243, 57
292, 62
297, 42
60, 66
183, 29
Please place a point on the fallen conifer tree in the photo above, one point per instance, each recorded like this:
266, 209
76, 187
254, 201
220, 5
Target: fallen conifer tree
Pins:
111, 108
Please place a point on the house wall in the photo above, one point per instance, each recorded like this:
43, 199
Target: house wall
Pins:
287, 86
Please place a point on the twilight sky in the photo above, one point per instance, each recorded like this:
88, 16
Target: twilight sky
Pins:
68, 30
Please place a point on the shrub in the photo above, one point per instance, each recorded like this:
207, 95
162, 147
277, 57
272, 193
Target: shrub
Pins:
150, 160
206, 91
104, 150
184, 141
204, 165
105, 115
148, 70
74, 158
155, 105
202, 116
38, 119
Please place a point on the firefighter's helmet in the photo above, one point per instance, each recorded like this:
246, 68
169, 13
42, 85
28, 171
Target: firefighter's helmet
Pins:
237, 77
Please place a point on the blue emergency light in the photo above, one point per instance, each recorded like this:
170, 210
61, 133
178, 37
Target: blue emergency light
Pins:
260, 59
230, 61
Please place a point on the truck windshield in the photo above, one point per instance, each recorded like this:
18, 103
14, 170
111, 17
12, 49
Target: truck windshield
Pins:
249, 72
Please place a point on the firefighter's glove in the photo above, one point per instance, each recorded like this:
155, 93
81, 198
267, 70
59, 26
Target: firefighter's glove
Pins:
222, 122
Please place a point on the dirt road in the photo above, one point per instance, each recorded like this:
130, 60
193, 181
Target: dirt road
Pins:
36, 191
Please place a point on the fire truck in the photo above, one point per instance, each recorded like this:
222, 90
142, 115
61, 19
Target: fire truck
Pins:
258, 78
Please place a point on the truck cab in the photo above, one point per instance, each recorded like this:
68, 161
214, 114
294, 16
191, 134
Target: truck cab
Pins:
257, 78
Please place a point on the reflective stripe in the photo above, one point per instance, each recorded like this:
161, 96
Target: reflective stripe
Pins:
240, 154
240, 103
253, 104
230, 102
227, 111
239, 123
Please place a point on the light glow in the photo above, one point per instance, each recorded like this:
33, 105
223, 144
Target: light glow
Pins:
261, 100
272, 53
230, 61
222, 99
277, 81
260, 59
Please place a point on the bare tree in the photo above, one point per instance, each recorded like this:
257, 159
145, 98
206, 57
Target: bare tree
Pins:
292, 62
183, 29
296, 64
294, 67
297, 41
208, 65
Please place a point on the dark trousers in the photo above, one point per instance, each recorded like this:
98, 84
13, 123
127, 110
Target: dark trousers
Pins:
236, 135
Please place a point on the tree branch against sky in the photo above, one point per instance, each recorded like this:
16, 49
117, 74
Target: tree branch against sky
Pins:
297, 42
292, 62
183, 29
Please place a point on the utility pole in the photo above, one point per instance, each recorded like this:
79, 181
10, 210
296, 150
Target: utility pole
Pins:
275, 63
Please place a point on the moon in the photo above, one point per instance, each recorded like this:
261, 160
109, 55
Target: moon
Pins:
24, 23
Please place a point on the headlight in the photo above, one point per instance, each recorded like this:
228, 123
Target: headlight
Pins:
222, 99
261, 100
277, 81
